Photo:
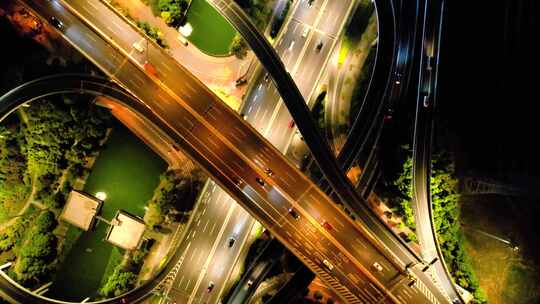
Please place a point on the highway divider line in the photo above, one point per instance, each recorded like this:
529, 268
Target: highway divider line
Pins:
211, 255
225, 140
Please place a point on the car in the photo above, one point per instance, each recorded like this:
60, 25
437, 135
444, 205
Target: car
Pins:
268, 172
293, 213
411, 282
291, 45
231, 241
150, 69
305, 32
210, 287
426, 101
328, 264
260, 181
183, 40
291, 124
57, 23
237, 181
240, 81
266, 77
249, 283
377, 266
137, 46
310, 2
319, 46
327, 225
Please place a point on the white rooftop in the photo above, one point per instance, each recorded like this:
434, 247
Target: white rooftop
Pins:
126, 231
80, 209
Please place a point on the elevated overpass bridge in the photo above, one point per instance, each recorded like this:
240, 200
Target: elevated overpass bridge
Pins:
183, 107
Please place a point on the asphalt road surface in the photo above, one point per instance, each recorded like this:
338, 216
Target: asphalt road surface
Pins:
192, 112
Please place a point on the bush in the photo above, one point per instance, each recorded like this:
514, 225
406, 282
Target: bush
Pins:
118, 283
238, 47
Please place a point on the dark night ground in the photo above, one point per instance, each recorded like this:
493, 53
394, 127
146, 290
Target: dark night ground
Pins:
488, 93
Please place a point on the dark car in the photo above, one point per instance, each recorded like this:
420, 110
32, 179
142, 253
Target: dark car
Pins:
260, 181
57, 23
293, 213
268, 172
210, 287
240, 81
319, 46
231, 241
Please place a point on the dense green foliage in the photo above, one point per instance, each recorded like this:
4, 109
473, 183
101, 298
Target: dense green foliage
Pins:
43, 147
318, 112
172, 11
445, 198
238, 46
124, 276
279, 19
152, 32
362, 83
174, 197
36, 258
258, 10
14, 182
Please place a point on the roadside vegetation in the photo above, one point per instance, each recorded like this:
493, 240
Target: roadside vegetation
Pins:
174, 198
446, 213
48, 143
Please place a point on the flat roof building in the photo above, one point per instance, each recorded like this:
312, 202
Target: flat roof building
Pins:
81, 209
126, 231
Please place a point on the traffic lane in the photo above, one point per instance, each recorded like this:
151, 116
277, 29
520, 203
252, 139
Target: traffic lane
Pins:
303, 237
310, 70
334, 13
347, 234
112, 25
307, 13
282, 130
224, 255
198, 242
291, 44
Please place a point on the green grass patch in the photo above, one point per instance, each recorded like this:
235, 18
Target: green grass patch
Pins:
212, 34
114, 260
346, 46
127, 171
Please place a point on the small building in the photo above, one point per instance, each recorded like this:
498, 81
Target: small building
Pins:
81, 209
126, 231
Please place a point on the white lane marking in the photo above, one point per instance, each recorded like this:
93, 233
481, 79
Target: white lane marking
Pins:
205, 225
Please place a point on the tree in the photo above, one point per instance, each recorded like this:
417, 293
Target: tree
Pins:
118, 283
318, 295
238, 46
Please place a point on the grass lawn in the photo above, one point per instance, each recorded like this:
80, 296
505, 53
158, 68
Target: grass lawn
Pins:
505, 276
127, 171
212, 34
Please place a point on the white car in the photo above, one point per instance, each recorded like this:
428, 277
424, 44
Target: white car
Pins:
377, 266
291, 45
183, 40
328, 264
138, 47
305, 32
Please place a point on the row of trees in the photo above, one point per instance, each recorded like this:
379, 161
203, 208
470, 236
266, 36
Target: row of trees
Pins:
43, 147
125, 274
445, 202
173, 11
174, 197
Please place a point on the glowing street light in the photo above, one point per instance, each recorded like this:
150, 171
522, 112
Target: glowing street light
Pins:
186, 29
101, 195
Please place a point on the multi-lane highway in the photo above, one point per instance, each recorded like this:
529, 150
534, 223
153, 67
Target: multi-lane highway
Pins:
426, 96
193, 115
